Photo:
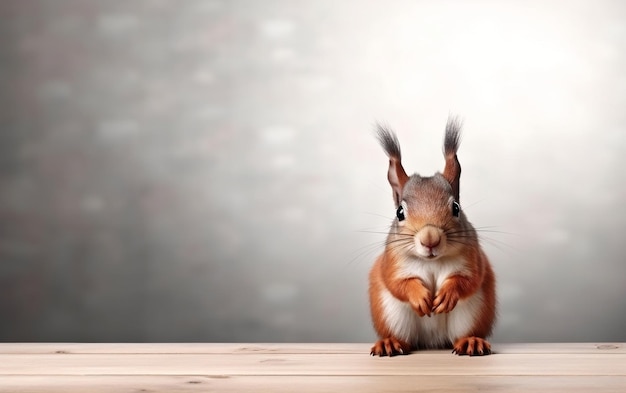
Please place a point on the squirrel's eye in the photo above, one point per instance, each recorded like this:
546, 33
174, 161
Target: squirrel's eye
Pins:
400, 213
456, 209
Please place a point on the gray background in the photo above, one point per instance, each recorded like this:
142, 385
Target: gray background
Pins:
206, 170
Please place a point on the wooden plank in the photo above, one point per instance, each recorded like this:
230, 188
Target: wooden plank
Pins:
187, 348
436, 363
190, 367
287, 348
540, 348
309, 384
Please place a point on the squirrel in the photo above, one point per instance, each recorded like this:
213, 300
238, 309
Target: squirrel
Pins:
433, 286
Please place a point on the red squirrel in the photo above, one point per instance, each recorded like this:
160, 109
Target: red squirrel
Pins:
433, 286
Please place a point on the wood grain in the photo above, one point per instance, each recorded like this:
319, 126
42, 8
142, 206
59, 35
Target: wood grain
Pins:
73, 367
307, 348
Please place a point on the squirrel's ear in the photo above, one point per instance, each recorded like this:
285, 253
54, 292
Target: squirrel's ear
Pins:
452, 171
396, 175
397, 178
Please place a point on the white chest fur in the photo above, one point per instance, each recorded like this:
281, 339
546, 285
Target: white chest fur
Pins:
432, 273
436, 330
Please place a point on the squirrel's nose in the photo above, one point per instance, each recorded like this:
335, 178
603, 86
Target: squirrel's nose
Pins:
429, 237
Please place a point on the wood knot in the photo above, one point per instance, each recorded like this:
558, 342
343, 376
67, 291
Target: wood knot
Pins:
273, 360
607, 346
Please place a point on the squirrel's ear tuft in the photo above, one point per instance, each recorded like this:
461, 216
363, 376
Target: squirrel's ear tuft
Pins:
451, 142
396, 175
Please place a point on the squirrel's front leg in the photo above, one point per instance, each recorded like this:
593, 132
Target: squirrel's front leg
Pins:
413, 291
453, 289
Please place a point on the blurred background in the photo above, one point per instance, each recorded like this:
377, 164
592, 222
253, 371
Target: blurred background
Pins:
206, 170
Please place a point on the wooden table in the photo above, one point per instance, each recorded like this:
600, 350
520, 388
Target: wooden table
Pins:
307, 368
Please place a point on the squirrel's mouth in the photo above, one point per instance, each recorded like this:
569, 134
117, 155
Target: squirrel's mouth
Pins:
429, 255
427, 252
